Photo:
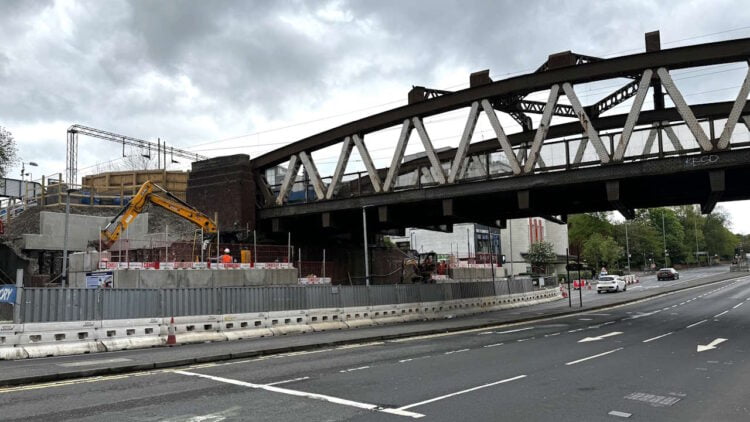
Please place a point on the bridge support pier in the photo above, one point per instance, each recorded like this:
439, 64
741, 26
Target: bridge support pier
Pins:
717, 184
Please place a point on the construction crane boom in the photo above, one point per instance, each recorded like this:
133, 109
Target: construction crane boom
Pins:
146, 195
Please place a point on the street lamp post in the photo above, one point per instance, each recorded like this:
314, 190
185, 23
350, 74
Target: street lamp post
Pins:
64, 277
664, 236
627, 245
23, 174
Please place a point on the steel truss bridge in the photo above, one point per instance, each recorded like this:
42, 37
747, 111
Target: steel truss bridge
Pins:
660, 156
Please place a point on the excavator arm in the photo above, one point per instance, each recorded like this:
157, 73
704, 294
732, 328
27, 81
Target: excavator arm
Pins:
146, 195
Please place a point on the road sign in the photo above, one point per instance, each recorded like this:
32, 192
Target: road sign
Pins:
8, 294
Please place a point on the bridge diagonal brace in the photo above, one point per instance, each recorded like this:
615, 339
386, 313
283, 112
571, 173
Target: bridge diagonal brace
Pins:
291, 174
346, 151
463, 145
618, 97
262, 184
650, 141
501, 137
635, 111
437, 168
542, 130
717, 185
734, 115
746, 120
465, 167
674, 139
614, 198
372, 171
312, 172
684, 109
591, 132
398, 156
581, 150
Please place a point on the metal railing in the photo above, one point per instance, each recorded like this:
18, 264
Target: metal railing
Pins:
57, 305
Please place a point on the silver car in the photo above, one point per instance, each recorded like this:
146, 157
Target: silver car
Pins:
610, 283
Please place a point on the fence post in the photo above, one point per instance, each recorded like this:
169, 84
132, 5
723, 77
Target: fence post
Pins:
19, 297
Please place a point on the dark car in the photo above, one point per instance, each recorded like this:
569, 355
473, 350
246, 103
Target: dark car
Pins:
667, 274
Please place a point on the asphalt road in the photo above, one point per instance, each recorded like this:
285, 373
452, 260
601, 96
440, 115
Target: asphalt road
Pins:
682, 356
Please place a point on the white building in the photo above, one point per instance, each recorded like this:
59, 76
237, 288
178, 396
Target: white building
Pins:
473, 240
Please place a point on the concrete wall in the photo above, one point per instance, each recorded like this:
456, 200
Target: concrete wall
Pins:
82, 229
80, 263
154, 279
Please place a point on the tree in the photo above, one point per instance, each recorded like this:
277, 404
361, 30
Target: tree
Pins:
541, 254
643, 238
7, 150
674, 233
582, 226
602, 250
719, 240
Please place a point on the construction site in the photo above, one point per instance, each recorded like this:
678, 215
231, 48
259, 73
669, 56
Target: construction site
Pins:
165, 228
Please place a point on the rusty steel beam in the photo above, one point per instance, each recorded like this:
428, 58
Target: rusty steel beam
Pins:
625, 66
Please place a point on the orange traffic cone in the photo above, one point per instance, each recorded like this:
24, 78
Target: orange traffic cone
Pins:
171, 338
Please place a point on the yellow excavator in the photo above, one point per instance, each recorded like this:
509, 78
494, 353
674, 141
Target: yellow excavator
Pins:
148, 194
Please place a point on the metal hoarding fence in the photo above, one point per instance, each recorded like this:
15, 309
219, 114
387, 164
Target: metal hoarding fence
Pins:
81, 304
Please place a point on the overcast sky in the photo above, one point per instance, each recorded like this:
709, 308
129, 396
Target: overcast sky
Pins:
231, 77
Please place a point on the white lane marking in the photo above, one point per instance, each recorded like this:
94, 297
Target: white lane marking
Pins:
593, 357
588, 339
597, 314
524, 339
405, 360
288, 381
469, 390
585, 319
355, 369
657, 337
718, 315
552, 335
620, 414
737, 305
608, 322
456, 351
411, 359
697, 323
682, 303
514, 331
485, 333
94, 362
711, 345
315, 396
664, 309
493, 345
575, 331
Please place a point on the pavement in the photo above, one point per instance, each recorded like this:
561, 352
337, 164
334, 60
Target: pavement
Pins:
52, 369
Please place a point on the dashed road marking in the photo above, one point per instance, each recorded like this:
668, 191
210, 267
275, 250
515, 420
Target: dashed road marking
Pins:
620, 414
697, 323
657, 337
594, 357
456, 351
718, 315
493, 345
737, 305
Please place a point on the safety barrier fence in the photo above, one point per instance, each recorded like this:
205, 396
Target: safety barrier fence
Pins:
423, 302
80, 304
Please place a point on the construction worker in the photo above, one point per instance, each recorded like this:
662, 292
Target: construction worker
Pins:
226, 258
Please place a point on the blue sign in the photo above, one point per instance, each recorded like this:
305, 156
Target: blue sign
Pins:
8, 294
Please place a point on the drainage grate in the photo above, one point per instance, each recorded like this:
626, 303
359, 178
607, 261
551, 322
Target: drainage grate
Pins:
653, 399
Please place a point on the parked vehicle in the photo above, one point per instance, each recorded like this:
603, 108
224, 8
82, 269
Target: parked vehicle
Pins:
667, 274
610, 283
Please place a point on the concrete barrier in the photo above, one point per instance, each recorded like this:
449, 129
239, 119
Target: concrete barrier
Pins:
326, 319
243, 326
19, 341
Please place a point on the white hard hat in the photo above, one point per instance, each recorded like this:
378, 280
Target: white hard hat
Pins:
226, 250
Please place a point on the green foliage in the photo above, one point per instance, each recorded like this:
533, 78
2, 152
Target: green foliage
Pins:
582, 226
540, 255
684, 229
7, 150
602, 251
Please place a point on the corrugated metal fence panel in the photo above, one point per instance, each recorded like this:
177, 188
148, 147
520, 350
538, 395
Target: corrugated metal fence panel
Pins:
431, 292
407, 293
130, 303
354, 296
57, 305
322, 297
190, 301
284, 298
382, 295
239, 300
